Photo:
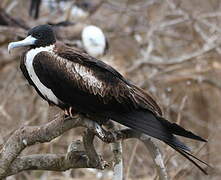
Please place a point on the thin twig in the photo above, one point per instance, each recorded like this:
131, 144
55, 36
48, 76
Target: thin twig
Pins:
133, 153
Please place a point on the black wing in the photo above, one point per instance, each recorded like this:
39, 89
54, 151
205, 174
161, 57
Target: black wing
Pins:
89, 84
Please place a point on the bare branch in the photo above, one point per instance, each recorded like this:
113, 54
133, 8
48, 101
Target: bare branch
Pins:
132, 156
94, 159
27, 136
156, 155
75, 158
30, 135
118, 166
118, 157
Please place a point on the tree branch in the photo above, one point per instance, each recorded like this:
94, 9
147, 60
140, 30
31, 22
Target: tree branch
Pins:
76, 156
117, 152
156, 156
94, 159
29, 135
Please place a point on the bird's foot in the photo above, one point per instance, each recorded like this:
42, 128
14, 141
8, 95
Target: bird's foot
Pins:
69, 112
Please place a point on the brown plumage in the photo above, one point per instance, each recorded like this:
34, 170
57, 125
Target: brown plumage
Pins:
93, 81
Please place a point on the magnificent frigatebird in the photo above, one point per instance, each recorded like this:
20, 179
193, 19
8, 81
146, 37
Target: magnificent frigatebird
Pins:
77, 82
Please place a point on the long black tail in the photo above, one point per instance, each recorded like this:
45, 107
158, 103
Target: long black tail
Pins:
158, 127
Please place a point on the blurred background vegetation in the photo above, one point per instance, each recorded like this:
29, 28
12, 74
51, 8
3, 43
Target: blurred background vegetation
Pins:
171, 48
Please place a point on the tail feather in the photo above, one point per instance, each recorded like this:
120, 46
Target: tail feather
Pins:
188, 156
157, 127
156, 133
180, 131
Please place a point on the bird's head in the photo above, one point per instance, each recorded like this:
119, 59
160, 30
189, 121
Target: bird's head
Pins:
39, 36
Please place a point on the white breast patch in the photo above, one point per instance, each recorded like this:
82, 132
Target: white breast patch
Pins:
46, 92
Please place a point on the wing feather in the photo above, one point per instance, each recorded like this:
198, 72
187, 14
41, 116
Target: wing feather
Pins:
93, 77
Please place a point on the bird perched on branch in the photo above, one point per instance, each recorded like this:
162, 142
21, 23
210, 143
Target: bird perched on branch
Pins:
79, 83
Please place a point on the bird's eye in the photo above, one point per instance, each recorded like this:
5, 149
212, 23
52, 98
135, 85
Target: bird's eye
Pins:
37, 35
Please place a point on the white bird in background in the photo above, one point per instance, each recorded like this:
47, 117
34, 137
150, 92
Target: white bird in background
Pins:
94, 41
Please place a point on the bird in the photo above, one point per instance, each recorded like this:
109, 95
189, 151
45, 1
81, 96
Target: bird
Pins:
94, 41
34, 8
79, 83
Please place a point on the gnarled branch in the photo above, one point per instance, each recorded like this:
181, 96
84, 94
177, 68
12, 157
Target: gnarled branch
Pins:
77, 156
